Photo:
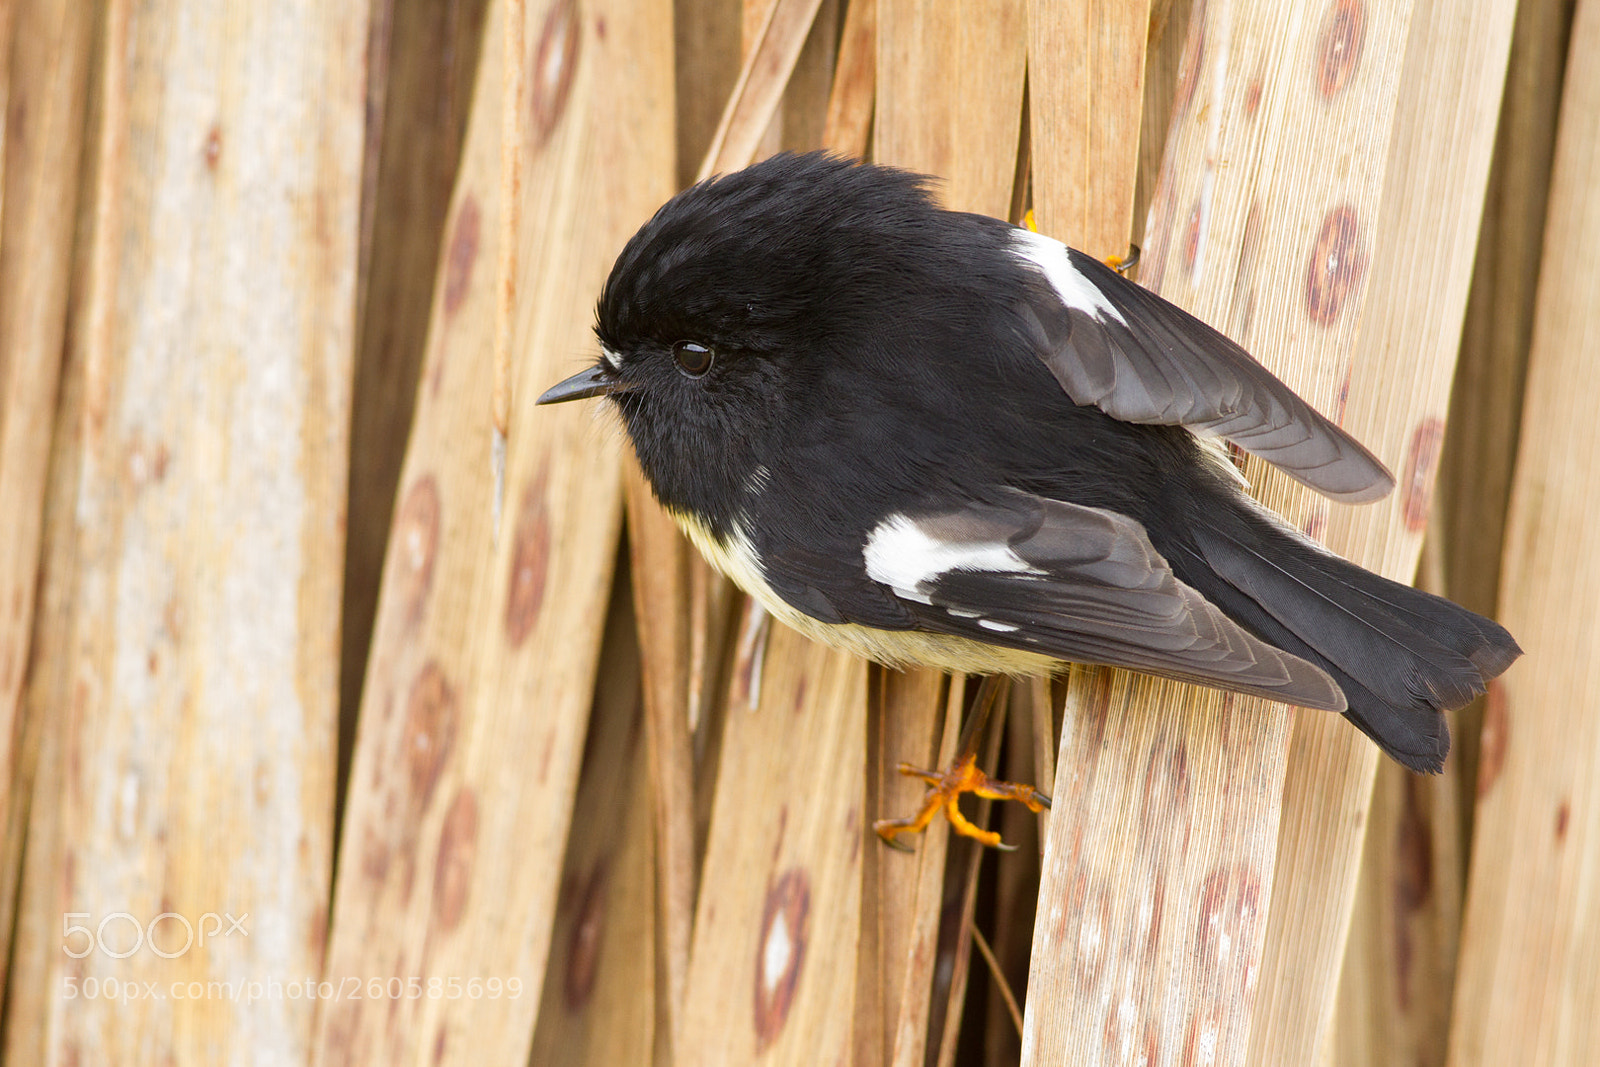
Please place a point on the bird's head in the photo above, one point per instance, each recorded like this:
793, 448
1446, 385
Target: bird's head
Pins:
726, 312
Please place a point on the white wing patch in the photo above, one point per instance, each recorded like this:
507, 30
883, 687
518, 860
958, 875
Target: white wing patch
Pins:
902, 555
735, 557
1076, 291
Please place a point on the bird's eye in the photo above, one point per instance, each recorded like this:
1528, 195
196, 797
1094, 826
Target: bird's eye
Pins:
694, 359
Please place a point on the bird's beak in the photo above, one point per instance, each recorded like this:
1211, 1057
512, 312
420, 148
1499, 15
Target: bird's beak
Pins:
596, 381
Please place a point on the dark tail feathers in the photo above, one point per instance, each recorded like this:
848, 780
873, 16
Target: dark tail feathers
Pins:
1402, 657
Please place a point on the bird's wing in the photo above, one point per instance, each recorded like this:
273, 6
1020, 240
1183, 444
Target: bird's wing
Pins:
1139, 358
1076, 583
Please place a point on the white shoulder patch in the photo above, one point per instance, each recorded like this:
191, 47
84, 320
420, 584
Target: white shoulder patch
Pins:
902, 555
1076, 291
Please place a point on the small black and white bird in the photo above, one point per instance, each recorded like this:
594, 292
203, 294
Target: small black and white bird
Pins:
936, 438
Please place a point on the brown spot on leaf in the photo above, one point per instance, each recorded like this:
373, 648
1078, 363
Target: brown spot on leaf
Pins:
1563, 816
1200, 1041
172, 619
1495, 737
317, 934
568, 889
544, 757
1191, 239
555, 61
1152, 910
416, 538
780, 827
1149, 1045
147, 464
211, 151
463, 253
1230, 922
1252, 97
530, 559
1166, 796
430, 730
780, 952
1344, 30
583, 950
458, 848
1416, 482
1336, 265
1166, 779
1413, 881
169, 934
341, 1031
1123, 1044
749, 655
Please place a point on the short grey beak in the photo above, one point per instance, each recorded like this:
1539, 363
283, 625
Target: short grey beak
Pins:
596, 381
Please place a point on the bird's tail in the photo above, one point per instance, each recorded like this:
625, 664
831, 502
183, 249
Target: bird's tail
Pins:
1402, 656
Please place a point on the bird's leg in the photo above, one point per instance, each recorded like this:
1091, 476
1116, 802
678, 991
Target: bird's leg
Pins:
1123, 264
963, 776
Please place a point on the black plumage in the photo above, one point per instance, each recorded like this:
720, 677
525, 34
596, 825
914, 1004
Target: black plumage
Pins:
933, 437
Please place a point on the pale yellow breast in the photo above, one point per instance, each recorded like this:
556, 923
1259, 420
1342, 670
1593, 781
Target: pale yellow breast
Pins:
734, 557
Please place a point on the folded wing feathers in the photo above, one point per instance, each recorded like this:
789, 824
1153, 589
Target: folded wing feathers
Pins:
1305, 601
1150, 361
1087, 586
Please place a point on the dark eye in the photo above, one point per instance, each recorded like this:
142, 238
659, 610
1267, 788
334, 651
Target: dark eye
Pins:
694, 359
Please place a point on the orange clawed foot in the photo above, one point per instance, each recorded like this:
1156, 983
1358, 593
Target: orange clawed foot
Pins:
1123, 264
944, 789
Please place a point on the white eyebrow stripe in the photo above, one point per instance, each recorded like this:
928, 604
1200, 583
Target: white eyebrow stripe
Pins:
1076, 291
904, 556
612, 360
